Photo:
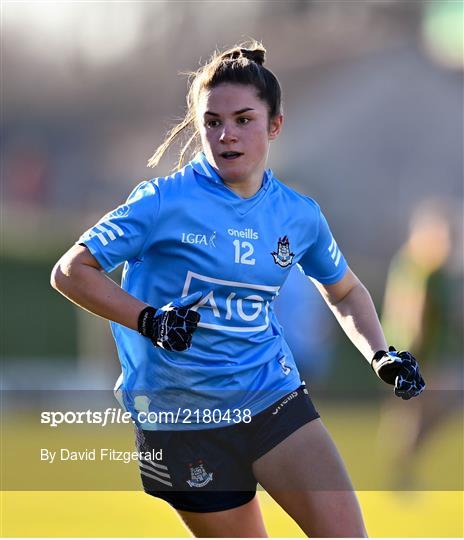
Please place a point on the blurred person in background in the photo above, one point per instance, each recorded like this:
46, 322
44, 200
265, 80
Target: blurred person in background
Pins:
225, 215
422, 311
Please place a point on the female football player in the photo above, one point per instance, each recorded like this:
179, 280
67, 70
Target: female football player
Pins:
206, 372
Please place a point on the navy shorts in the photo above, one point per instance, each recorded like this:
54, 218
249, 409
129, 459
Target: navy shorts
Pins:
210, 470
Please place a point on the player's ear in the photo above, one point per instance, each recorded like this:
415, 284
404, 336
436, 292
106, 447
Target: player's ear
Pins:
275, 126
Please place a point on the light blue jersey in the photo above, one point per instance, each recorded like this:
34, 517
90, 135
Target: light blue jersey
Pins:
189, 232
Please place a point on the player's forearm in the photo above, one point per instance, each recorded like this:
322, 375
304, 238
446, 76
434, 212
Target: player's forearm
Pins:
94, 291
357, 316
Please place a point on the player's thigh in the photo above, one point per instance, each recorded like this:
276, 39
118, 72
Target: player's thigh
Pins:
242, 522
305, 474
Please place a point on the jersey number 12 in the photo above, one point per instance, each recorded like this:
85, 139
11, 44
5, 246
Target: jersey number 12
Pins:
243, 252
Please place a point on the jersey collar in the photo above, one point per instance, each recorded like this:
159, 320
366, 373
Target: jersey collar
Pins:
202, 166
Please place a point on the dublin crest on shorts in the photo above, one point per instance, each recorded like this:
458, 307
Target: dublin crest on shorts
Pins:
283, 256
198, 475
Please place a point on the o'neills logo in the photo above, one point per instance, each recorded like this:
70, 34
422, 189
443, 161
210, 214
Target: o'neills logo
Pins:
244, 233
285, 401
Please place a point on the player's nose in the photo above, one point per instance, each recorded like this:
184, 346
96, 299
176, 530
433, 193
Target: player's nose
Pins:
228, 134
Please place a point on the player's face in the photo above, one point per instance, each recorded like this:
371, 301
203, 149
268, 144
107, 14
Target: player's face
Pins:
235, 132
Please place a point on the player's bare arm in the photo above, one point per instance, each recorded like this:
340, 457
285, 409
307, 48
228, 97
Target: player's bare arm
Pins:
79, 277
352, 305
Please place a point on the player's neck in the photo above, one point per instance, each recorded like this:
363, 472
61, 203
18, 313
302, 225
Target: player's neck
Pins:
246, 188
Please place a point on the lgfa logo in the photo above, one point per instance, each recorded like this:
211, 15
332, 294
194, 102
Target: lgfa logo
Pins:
200, 239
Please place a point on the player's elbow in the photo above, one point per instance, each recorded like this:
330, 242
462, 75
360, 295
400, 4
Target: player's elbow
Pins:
73, 268
61, 274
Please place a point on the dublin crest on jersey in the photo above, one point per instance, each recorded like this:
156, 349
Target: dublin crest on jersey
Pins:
198, 475
283, 256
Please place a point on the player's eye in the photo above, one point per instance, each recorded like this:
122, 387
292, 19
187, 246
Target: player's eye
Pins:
212, 123
243, 120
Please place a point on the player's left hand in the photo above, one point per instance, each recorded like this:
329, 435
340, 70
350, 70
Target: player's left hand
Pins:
401, 370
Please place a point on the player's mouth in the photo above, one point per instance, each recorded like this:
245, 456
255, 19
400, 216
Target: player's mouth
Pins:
230, 155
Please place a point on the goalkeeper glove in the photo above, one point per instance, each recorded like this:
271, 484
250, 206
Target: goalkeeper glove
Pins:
171, 327
399, 369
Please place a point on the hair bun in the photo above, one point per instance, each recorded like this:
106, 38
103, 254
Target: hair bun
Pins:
255, 55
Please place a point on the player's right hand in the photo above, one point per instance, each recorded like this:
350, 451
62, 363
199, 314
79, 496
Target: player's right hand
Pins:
171, 327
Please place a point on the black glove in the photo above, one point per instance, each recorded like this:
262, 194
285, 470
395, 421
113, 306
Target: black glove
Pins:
171, 327
399, 369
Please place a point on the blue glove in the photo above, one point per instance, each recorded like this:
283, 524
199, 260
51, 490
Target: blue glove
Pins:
399, 369
171, 327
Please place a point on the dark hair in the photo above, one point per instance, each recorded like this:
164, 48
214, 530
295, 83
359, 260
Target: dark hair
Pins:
243, 64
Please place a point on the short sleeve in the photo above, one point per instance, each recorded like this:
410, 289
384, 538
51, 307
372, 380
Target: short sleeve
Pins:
323, 260
121, 234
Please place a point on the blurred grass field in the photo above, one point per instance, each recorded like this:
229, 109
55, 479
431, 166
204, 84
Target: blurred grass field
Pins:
134, 514
435, 509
